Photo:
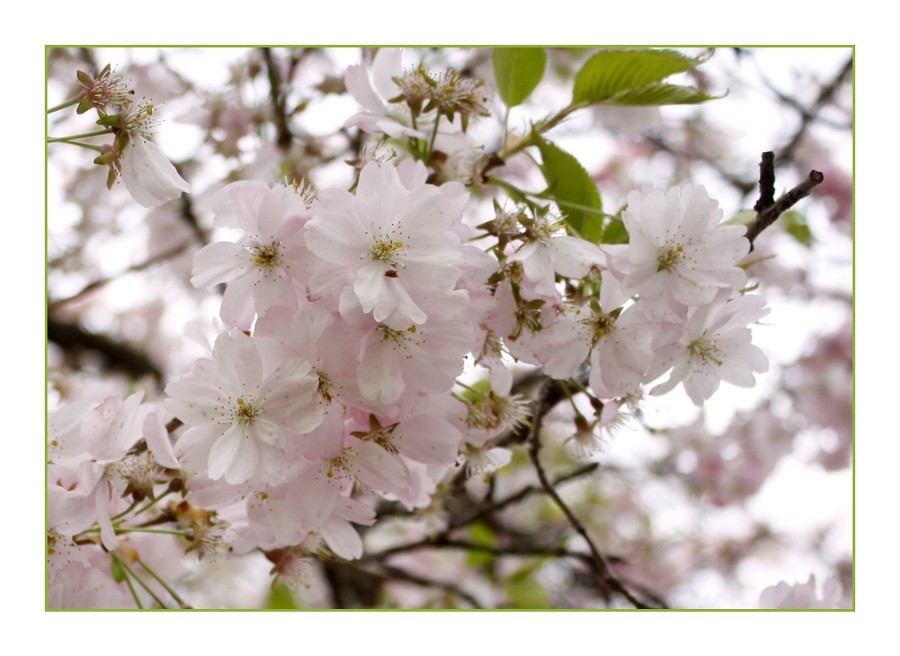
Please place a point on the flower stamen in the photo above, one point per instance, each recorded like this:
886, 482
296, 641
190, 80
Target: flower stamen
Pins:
669, 257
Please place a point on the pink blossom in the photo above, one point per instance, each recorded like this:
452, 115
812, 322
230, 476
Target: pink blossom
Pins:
551, 251
714, 346
801, 595
262, 267
240, 416
374, 91
148, 174
390, 244
677, 251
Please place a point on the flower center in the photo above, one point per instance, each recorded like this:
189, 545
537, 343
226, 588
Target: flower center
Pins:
245, 413
383, 250
338, 467
399, 337
140, 120
380, 435
706, 351
669, 257
601, 324
324, 386
267, 256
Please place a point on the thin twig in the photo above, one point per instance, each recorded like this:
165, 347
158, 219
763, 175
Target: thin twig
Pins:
452, 588
97, 284
392, 573
285, 137
514, 550
519, 496
599, 563
72, 338
768, 216
766, 181
812, 114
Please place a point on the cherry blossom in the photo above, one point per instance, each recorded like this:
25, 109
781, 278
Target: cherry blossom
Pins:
238, 416
394, 243
148, 174
412, 358
375, 90
677, 250
714, 346
261, 267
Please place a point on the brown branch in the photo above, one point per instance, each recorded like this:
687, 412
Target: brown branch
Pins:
519, 496
736, 181
389, 573
812, 114
403, 575
442, 539
514, 550
116, 355
766, 181
768, 216
598, 562
97, 284
548, 397
285, 137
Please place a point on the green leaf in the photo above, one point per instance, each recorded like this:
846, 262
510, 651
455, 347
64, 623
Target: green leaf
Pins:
117, 569
660, 94
744, 218
524, 591
281, 597
482, 535
613, 71
573, 190
517, 72
614, 232
795, 225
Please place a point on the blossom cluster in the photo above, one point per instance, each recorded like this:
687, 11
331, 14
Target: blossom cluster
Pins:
349, 319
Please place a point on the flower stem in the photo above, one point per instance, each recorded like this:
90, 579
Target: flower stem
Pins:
68, 103
153, 502
469, 387
518, 195
83, 135
124, 512
93, 147
140, 582
538, 129
163, 531
137, 600
181, 603
434, 132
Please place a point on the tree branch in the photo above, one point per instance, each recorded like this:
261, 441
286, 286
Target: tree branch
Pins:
340, 569
285, 137
97, 284
769, 214
116, 355
766, 181
599, 563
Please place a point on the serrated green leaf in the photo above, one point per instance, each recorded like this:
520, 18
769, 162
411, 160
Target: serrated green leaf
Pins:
613, 71
660, 94
573, 190
517, 72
